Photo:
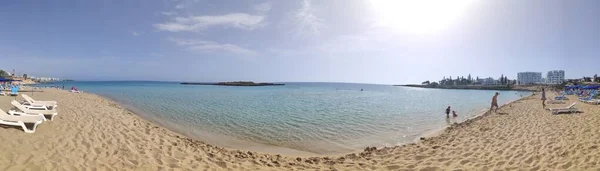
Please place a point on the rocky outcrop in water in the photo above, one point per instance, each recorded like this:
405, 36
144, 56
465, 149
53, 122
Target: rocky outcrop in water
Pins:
235, 83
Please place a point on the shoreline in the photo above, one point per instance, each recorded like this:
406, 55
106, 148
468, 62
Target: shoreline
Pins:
476, 87
437, 132
92, 131
232, 143
221, 140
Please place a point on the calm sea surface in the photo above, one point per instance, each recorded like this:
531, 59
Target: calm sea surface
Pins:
319, 118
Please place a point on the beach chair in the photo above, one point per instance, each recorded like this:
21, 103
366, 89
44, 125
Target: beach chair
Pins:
50, 105
561, 97
6, 119
32, 110
569, 109
588, 98
593, 101
14, 91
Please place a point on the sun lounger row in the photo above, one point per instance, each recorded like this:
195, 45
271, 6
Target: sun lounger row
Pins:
590, 99
29, 112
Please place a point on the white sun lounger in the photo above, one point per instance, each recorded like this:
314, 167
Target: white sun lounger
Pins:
593, 101
50, 105
6, 119
31, 111
569, 109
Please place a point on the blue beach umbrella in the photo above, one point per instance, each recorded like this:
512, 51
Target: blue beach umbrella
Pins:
590, 87
573, 87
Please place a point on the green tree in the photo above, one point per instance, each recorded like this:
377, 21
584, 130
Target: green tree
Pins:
24, 76
425, 82
3, 73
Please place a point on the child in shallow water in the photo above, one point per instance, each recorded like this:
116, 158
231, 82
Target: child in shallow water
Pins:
454, 114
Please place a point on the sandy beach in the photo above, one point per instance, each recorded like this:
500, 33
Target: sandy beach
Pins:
93, 132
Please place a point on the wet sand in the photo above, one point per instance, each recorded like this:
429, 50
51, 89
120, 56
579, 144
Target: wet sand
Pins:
93, 132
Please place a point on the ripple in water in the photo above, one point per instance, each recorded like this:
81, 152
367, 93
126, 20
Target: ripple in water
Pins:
321, 118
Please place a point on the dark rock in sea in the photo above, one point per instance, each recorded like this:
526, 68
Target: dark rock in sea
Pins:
235, 83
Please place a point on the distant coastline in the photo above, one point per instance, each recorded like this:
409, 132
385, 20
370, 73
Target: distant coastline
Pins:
477, 87
234, 83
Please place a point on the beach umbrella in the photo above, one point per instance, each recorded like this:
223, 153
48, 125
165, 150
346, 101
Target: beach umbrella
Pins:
573, 87
591, 87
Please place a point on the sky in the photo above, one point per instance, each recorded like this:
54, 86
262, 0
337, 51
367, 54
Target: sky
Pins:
360, 41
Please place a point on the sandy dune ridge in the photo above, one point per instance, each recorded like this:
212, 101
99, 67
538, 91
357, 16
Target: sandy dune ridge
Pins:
93, 133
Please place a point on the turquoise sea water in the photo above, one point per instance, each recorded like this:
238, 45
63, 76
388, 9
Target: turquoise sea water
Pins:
320, 118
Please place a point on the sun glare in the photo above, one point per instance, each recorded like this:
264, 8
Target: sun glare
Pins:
417, 16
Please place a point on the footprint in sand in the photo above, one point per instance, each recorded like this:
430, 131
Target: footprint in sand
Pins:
566, 165
393, 167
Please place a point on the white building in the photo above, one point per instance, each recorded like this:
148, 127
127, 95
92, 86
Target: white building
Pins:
489, 81
524, 78
479, 81
555, 77
46, 79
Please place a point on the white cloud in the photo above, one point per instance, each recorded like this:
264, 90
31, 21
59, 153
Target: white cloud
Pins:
262, 7
169, 13
209, 46
306, 20
136, 33
185, 3
198, 23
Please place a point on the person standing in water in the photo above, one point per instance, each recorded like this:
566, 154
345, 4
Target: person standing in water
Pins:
543, 98
448, 112
495, 102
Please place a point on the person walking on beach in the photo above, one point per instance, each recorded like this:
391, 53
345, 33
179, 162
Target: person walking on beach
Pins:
543, 98
495, 102
448, 112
